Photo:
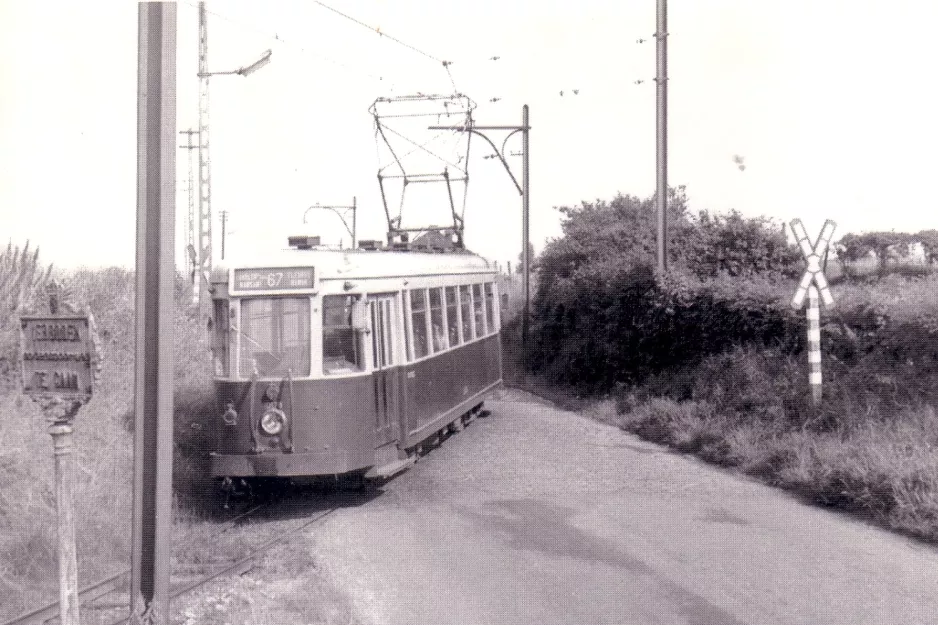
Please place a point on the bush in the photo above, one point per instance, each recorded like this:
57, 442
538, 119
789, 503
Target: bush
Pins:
22, 282
602, 317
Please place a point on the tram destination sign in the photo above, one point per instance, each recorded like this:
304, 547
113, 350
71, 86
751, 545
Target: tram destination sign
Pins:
274, 279
56, 356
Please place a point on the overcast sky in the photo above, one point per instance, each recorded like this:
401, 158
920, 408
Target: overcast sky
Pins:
831, 105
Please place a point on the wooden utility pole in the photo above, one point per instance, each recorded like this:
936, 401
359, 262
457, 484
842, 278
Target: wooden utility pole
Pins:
661, 101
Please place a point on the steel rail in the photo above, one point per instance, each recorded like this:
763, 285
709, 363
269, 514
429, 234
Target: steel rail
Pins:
264, 548
105, 586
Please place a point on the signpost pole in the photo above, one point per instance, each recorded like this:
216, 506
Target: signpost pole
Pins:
65, 513
814, 345
59, 365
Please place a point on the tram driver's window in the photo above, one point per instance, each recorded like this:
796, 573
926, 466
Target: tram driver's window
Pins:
341, 344
274, 337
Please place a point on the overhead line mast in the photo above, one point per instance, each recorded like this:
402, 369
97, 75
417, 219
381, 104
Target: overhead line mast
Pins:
191, 255
205, 178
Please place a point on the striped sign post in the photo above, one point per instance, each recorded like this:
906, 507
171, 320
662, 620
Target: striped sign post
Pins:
813, 284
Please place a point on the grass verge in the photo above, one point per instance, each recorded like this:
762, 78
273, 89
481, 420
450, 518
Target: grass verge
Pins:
869, 450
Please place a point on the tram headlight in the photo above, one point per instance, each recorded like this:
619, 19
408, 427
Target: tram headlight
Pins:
273, 421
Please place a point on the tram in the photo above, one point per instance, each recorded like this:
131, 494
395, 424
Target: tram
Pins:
332, 362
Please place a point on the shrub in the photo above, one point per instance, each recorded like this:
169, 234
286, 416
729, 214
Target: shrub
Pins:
22, 282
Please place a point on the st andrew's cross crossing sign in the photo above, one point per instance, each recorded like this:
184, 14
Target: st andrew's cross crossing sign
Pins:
813, 275
813, 254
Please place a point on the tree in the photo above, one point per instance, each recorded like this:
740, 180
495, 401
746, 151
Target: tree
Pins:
884, 245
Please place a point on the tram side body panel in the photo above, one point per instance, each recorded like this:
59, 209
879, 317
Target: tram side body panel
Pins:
330, 429
438, 389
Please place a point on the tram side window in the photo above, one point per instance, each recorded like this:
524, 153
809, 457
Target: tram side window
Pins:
341, 344
452, 319
478, 304
274, 336
408, 329
436, 319
418, 315
465, 305
490, 306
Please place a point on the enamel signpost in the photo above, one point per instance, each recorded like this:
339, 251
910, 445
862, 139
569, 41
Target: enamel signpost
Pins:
59, 360
812, 283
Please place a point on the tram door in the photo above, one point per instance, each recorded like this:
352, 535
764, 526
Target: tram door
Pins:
386, 382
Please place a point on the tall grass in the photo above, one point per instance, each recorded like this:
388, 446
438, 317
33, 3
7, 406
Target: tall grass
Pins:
103, 444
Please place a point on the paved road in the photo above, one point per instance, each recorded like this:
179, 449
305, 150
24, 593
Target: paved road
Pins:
536, 515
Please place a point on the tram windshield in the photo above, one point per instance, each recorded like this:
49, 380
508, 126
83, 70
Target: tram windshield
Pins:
274, 337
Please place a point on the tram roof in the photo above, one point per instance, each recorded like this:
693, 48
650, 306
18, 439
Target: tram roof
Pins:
349, 263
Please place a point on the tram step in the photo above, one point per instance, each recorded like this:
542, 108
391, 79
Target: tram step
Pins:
392, 468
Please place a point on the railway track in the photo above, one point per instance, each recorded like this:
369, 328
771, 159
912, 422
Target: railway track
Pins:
106, 602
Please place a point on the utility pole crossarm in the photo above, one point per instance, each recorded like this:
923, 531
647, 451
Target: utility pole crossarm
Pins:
474, 129
478, 127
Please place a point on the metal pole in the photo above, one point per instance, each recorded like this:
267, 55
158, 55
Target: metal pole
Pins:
525, 226
153, 363
65, 512
354, 222
661, 36
191, 253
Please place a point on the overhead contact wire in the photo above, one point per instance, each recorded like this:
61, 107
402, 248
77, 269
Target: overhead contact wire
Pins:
377, 30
